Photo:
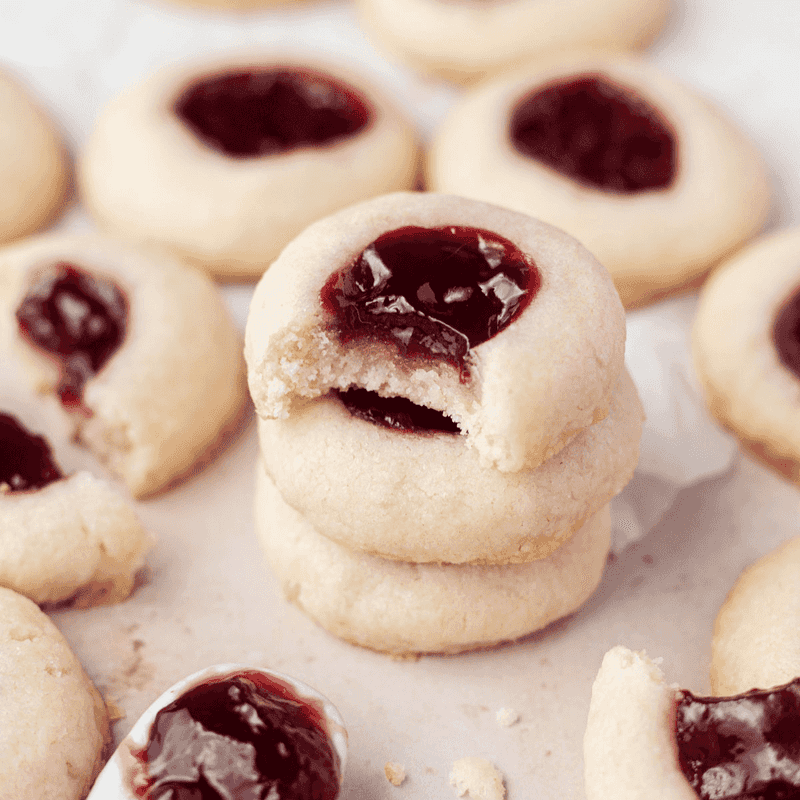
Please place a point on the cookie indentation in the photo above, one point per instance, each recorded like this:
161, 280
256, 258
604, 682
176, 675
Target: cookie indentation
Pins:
26, 461
596, 133
786, 333
434, 292
249, 113
79, 318
397, 413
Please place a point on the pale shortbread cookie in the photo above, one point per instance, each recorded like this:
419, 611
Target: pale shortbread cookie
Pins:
34, 165
402, 608
426, 498
630, 749
462, 40
174, 387
145, 175
748, 387
75, 539
653, 242
54, 729
756, 643
532, 387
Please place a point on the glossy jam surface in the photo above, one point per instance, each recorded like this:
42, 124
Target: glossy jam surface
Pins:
598, 134
747, 746
244, 737
79, 318
786, 333
397, 413
26, 461
249, 114
434, 292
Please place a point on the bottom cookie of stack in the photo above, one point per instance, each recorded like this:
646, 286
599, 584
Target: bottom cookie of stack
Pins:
403, 608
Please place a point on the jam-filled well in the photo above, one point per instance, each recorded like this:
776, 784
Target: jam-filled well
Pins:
786, 333
745, 747
79, 318
242, 737
597, 133
26, 461
253, 113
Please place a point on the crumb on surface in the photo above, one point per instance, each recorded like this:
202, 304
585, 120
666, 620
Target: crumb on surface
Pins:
507, 717
477, 777
395, 773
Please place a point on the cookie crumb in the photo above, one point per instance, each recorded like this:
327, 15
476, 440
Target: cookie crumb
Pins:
507, 717
395, 773
478, 777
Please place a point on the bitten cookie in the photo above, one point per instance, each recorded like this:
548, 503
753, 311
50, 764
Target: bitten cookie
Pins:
756, 641
53, 723
507, 327
424, 496
62, 538
651, 177
138, 347
469, 39
223, 162
34, 165
401, 608
746, 347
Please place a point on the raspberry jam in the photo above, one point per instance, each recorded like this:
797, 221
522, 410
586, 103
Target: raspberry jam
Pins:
786, 333
242, 737
745, 747
434, 292
26, 461
248, 114
79, 318
397, 413
598, 134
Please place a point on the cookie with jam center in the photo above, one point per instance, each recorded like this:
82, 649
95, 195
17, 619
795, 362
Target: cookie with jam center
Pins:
650, 176
224, 161
745, 342
348, 305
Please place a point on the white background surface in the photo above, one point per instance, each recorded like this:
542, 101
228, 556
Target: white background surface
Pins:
207, 598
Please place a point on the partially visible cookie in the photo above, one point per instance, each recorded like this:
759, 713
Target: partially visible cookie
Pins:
139, 348
746, 348
223, 161
34, 165
402, 608
467, 39
649, 175
54, 729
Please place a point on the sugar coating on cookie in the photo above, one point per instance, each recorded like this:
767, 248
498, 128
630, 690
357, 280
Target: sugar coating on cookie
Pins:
426, 497
54, 728
650, 176
756, 642
139, 348
34, 165
223, 162
469, 39
519, 396
401, 608
750, 378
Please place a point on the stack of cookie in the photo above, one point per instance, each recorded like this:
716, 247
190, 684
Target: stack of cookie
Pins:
445, 415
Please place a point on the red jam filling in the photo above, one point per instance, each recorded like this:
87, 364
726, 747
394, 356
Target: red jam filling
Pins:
745, 747
598, 134
786, 333
243, 737
248, 114
26, 461
79, 318
433, 292
397, 413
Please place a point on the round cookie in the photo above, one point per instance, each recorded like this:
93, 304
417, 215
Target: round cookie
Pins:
34, 165
462, 40
403, 608
426, 498
519, 396
756, 642
54, 728
652, 178
185, 160
151, 373
750, 378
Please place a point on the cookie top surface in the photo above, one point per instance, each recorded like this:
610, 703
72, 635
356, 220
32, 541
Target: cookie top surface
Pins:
519, 396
